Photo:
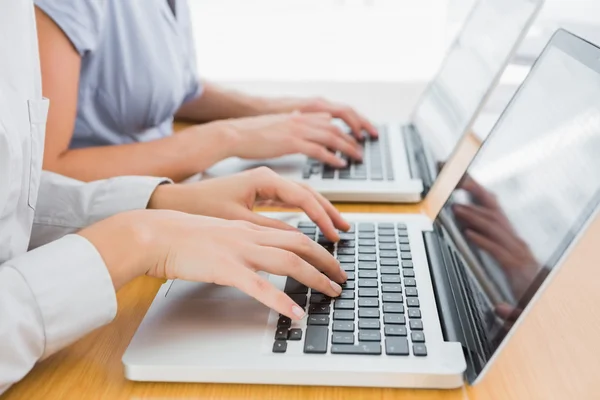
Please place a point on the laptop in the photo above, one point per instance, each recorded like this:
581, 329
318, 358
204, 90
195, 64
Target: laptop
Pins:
428, 303
402, 164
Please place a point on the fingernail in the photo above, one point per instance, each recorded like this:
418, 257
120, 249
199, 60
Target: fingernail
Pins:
344, 274
299, 312
336, 287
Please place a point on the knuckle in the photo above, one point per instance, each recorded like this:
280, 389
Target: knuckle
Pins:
259, 284
292, 261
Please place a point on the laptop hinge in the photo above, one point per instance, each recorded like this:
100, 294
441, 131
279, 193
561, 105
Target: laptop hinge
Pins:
415, 154
452, 307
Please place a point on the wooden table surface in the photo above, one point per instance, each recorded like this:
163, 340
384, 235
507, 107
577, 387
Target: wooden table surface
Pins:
555, 353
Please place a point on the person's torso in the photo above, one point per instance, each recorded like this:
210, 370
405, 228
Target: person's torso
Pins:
22, 123
139, 74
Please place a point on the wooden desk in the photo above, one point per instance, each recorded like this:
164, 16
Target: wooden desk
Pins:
553, 355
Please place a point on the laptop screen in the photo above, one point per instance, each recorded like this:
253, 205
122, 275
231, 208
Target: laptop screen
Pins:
528, 193
469, 73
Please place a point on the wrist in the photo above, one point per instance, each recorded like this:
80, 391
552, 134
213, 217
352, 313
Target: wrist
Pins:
126, 243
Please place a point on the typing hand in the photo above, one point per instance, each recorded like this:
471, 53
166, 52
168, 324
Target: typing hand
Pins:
485, 225
354, 120
175, 245
271, 136
235, 196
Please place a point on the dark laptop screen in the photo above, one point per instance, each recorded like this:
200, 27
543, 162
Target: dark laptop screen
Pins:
469, 72
529, 191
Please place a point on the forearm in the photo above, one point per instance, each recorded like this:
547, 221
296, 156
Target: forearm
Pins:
219, 103
176, 157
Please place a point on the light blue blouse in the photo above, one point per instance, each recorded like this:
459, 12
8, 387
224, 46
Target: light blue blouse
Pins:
138, 66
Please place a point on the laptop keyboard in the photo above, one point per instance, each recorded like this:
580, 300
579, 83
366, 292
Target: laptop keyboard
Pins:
378, 310
376, 164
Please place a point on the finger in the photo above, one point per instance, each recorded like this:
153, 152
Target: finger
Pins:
483, 196
336, 130
318, 152
485, 222
333, 141
368, 126
495, 250
336, 217
269, 222
298, 244
278, 188
351, 118
507, 312
262, 290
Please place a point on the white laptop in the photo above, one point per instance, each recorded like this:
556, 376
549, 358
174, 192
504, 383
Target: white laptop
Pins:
401, 165
427, 304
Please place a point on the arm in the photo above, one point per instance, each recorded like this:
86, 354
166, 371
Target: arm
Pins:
176, 157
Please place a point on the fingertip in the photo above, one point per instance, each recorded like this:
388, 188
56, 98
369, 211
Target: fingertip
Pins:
297, 313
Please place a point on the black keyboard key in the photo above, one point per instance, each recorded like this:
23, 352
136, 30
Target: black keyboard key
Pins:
394, 319
366, 275
396, 346
415, 325
400, 225
408, 273
389, 262
387, 239
369, 324
344, 174
387, 232
319, 298
309, 231
346, 252
343, 326
315, 340
417, 337
403, 240
300, 299
281, 334
348, 267
393, 308
319, 309
343, 315
390, 271
366, 227
292, 286
306, 171
347, 236
406, 256
391, 288
342, 338
367, 265
368, 292
284, 322
419, 350
348, 285
411, 292
388, 254
367, 257
368, 348
347, 295
395, 330
402, 233
414, 313
405, 248
306, 224
345, 259
412, 302
280, 346
369, 336
344, 244
368, 302
407, 264
295, 334
317, 319
410, 282
390, 279
368, 313
344, 305
366, 235
328, 173
350, 276
368, 283
367, 243
392, 298
367, 250
387, 246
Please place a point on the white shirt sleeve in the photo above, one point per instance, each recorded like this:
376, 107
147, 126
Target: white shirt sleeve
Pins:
66, 205
50, 297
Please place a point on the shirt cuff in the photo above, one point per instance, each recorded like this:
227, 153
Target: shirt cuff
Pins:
72, 288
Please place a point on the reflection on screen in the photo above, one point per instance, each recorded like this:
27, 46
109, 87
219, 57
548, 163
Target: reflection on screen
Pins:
469, 72
527, 194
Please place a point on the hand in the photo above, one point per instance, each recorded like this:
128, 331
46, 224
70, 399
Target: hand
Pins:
271, 136
234, 197
174, 245
354, 120
486, 225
